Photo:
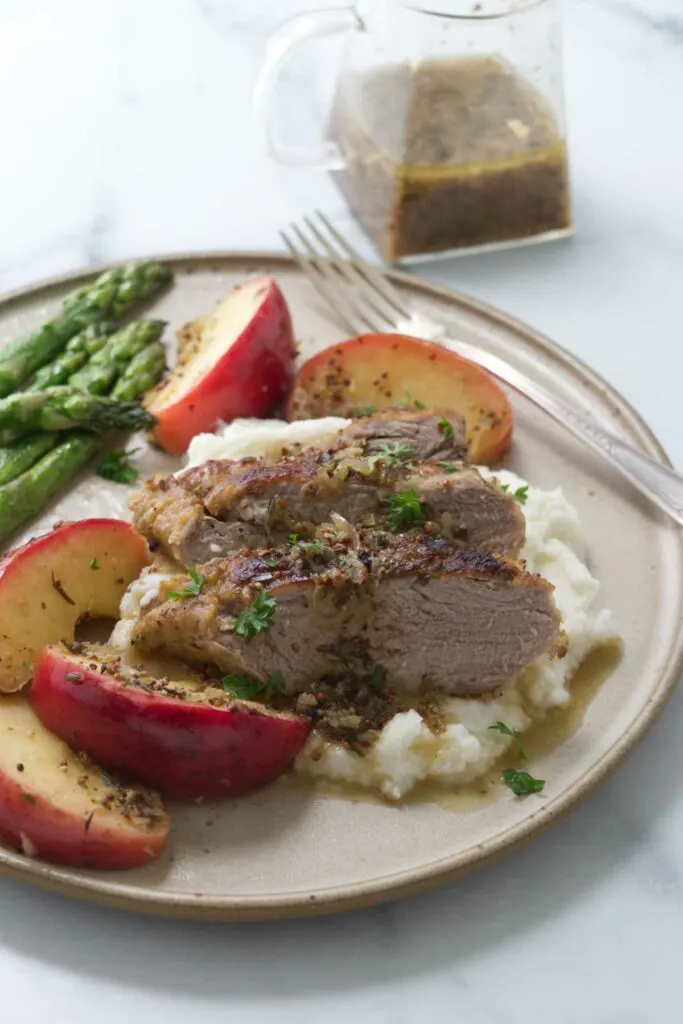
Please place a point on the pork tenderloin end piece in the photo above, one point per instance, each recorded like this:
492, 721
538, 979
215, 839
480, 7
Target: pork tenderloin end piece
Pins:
424, 431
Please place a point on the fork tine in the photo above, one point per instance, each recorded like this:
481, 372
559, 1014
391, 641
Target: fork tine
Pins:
374, 276
363, 292
345, 296
319, 282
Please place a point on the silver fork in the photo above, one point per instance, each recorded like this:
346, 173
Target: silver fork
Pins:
365, 299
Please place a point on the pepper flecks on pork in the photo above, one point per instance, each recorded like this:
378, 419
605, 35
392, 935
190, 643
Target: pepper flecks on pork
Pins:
433, 617
226, 505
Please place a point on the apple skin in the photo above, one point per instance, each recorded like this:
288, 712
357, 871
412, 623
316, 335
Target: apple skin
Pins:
51, 804
382, 370
237, 361
78, 570
182, 745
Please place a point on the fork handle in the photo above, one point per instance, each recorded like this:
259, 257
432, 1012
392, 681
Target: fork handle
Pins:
659, 483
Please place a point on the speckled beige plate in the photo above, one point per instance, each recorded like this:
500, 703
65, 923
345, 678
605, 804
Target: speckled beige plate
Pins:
288, 851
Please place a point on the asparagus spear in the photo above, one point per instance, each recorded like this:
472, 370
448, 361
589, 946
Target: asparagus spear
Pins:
74, 356
19, 456
64, 408
25, 495
142, 373
112, 295
102, 370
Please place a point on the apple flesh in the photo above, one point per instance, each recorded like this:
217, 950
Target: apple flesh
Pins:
61, 808
382, 370
79, 570
237, 361
185, 739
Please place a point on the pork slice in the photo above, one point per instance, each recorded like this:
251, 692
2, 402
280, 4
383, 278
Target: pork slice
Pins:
423, 431
431, 616
466, 623
317, 628
471, 512
173, 518
278, 495
222, 506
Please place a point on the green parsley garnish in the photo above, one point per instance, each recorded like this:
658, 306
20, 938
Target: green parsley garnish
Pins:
377, 677
446, 427
409, 400
520, 495
94, 565
404, 510
115, 466
191, 589
447, 467
521, 783
310, 548
365, 410
395, 454
257, 618
271, 562
515, 734
313, 548
246, 689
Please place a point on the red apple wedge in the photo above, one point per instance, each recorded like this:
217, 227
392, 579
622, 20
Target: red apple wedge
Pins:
79, 570
235, 362
59, 807
185, 739
375, 371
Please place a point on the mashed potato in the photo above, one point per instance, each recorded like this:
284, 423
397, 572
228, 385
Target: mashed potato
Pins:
407, 752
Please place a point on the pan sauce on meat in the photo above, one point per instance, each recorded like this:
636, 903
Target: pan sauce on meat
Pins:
431, 616
223, 506
438, 603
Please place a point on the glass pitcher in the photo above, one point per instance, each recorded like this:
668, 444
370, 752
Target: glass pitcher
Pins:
446, 133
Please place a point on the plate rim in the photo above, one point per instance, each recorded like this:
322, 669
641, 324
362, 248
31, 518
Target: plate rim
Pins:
407, 882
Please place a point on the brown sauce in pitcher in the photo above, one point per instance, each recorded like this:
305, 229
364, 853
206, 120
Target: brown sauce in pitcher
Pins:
451, 154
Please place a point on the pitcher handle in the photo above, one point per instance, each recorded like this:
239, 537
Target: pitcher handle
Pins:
280, 47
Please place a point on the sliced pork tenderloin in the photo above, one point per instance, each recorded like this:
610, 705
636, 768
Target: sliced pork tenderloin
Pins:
433, 617
222, 506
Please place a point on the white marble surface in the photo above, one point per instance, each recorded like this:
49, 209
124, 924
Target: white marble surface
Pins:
126, 130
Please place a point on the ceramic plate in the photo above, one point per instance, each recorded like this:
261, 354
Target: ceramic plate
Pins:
288, 850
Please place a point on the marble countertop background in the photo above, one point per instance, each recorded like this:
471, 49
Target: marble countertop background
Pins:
127, 129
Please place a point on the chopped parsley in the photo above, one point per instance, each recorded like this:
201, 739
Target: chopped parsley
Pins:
313, 548
258, 618
94, 565
116, 466
514, 734
191, 589
246, 689
447, 467
404, 510
446, 427
309, 548
395, 454
520, 495
365, 410
377, 677
521, 783
409, 400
